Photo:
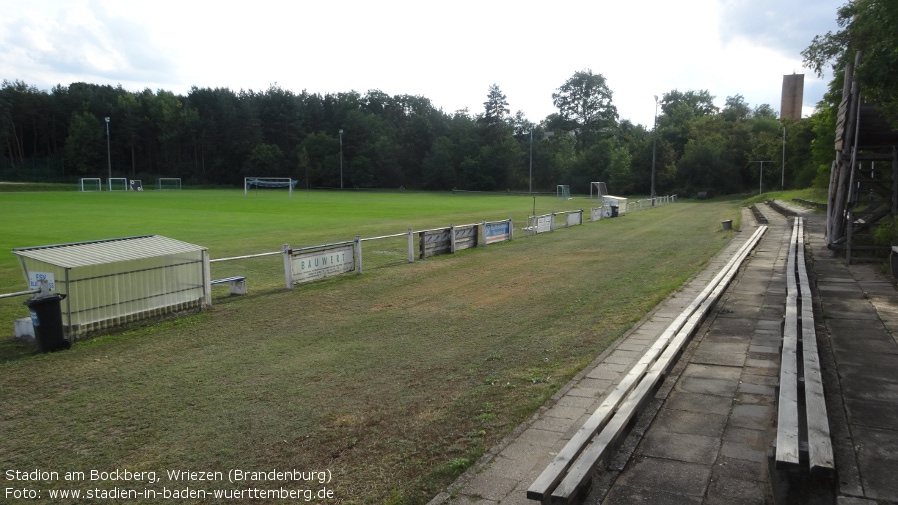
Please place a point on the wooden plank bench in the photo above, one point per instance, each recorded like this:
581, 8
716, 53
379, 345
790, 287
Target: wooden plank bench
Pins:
803, 441
567, 477
238, 284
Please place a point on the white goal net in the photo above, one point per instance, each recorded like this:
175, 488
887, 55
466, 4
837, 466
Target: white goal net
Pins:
168, 183
563, 191
599, 189
268, 183
90, 184
117, 184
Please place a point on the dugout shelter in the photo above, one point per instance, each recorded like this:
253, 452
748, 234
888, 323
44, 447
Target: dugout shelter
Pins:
109, 283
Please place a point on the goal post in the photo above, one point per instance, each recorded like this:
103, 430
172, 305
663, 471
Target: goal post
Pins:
117, 184
269, 183
563, 191
90, 184
599, 188
168, 183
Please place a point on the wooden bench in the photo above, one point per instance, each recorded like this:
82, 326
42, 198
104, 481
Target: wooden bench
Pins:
238, 284
803, 441
569, 475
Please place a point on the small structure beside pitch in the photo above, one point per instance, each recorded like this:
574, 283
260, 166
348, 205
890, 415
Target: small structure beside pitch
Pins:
107, 283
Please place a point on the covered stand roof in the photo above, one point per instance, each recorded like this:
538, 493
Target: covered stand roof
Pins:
98, 252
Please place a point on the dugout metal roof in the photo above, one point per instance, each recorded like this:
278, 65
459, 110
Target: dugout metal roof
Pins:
98, 252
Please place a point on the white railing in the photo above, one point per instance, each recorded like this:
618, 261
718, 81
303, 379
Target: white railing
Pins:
647, 203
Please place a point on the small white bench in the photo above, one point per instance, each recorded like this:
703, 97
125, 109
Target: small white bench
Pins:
238, 284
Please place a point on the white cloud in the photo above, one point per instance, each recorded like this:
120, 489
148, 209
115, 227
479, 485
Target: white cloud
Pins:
449, 53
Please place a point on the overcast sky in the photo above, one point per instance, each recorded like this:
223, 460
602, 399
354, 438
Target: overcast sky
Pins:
449, 52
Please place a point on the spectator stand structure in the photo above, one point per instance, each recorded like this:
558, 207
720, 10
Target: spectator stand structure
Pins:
863, 184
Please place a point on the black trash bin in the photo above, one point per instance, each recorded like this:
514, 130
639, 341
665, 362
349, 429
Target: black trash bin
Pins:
46, 316
614, 210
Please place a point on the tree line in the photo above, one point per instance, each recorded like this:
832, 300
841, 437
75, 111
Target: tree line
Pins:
217, 136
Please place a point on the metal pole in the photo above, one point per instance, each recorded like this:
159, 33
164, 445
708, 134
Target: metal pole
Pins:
531, 158
760, 174
108, 152
783, 169
341, 158
654, 144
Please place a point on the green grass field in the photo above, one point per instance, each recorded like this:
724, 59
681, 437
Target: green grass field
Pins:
395, 380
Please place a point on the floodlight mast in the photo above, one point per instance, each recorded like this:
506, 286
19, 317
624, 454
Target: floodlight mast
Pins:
760, 174
545, 134
654, 142
531, 158
340, 132
783, 167
108, 153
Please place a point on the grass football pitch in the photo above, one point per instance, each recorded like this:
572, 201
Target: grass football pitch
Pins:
393, 381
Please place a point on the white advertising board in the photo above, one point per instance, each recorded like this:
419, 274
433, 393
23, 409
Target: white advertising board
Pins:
322, 263
35, 278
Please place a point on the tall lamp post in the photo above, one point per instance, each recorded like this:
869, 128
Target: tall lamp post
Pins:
654, 143
783, 168
341, 157
108, 153
761, 174
531, 159
544, 136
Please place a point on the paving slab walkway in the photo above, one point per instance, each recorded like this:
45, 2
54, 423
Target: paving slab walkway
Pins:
858, 331
707, 435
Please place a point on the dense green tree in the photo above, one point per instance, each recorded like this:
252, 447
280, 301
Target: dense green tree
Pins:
323, 153
303, 165
556, 161
823, 125
265, 160
679, 111
216, 135
84, 147
584, 104
23, 120
13, 149
800, 167
279, 117
130, 123
735, 109
869, 27
703, 167
637, 140
437, 168
495, 113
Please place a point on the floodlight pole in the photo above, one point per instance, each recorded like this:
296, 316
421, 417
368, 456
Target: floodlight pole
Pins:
783, 169
531, 158
761, 174
108, 152
341, 157
654, 143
